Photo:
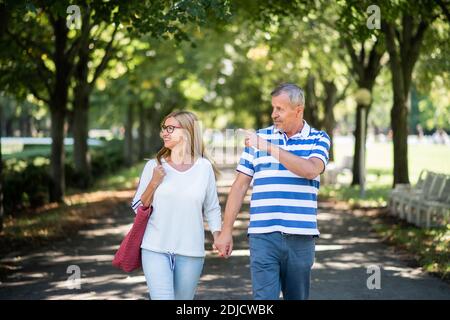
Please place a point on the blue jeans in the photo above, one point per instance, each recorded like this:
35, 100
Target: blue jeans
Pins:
171, 276
281, 262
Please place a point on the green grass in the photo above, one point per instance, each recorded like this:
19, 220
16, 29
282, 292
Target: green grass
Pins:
34, 151
379, 164
430, 247
126, 178
420, 156
33, 229
375, 195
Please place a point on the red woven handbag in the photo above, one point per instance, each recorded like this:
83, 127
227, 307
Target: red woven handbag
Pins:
128, 257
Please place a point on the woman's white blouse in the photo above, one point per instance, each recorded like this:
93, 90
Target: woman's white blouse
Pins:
179, 204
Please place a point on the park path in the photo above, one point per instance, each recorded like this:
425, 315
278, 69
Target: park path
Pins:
346, 248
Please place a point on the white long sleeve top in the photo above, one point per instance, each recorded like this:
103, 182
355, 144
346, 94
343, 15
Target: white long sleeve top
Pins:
179, 204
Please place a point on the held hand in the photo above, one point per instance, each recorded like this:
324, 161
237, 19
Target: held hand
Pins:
224, 244
215, 236
158, 175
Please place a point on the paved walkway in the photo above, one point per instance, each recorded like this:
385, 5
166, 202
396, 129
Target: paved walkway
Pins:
346, 248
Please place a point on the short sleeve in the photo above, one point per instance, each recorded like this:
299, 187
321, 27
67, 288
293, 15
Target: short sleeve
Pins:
321, 149
246, 162
144, 180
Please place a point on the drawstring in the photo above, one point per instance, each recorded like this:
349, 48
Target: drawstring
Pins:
171, 260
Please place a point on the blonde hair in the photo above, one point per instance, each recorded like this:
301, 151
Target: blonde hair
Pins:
190, 123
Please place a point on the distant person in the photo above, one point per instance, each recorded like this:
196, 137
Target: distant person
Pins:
376, 133
420, 134
390, 135
441, 137
284, 161
180, 185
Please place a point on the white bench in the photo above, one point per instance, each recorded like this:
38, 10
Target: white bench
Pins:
333, 170
426, 204
434, 211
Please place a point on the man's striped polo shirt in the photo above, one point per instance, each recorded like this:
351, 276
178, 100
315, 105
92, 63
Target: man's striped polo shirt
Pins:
281, 200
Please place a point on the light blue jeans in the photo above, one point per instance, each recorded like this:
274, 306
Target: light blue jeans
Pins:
171, 276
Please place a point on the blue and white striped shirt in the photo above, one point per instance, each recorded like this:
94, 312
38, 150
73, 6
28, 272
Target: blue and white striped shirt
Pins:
281, 200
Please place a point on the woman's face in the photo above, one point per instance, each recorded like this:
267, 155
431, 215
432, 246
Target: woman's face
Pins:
172, 133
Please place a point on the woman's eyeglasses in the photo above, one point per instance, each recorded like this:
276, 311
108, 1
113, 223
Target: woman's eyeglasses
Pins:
168, 129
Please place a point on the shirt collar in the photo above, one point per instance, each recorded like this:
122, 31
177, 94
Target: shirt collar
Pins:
304, 133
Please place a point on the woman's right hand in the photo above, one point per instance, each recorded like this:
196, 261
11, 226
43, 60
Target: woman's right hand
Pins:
157, 178
158, 175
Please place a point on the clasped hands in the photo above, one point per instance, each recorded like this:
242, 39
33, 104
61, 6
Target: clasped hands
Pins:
223, 240
223, 243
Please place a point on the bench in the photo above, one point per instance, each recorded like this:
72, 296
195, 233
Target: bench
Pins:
333, 170
426, 204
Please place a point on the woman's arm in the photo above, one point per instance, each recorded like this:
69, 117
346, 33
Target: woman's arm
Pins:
211, 206
157, 178
147, 195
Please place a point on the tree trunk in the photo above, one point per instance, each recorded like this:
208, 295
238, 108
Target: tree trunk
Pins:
58, 108
142, 126
329, 121
81, 113
399, 123
83, 91
402, 59
22, 125
366, 66
25, 124
3, 25
148, 132
69, 120
311, 110
1, 171
9, 132
2, 123
57, 179
29, 126
80, 136
128, 147
356, 178
155, 142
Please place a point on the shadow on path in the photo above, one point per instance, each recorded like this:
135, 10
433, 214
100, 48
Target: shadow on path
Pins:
346, 248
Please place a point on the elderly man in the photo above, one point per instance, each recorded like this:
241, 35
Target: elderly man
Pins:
285, 161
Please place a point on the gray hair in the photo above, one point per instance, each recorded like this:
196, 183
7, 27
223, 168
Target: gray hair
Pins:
296, 94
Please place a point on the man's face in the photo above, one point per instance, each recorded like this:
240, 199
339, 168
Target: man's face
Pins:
285, 116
